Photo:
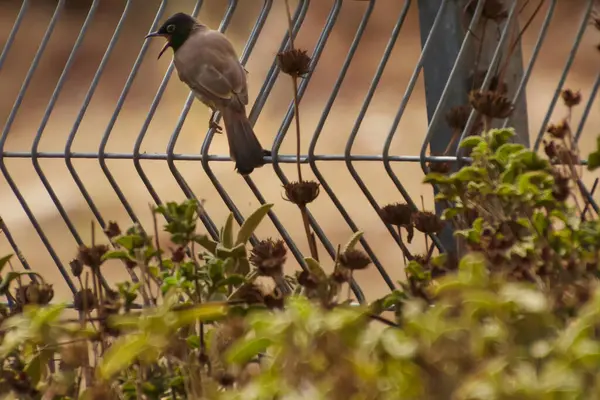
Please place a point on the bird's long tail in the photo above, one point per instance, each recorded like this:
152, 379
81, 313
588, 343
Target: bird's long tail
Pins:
244, 147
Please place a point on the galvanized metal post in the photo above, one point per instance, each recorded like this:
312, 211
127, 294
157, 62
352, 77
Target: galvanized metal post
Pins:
440, 62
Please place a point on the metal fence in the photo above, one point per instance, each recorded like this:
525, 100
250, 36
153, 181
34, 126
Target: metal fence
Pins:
448, 45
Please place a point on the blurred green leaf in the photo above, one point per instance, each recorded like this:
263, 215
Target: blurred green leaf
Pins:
244, 350
116, 254
315, 268
397, 344
123, 352
471, 141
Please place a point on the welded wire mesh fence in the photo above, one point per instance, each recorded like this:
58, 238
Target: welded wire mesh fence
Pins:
455, 39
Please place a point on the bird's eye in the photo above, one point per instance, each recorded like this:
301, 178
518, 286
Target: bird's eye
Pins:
171, 28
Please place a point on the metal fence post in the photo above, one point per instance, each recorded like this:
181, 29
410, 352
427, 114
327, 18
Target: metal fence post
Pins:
439, 64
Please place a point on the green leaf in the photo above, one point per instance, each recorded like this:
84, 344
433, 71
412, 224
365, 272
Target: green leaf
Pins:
471, 141
244, 350
499, 137
353, 241
116, 254
206, 242
251, 223
315, 268
469, 174
593, 161
4, 260
193, 341
436, 178
397, 344
121, 355
36, 368
472, 269
227, 232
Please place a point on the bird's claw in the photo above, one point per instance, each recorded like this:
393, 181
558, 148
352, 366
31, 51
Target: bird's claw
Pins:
213, 125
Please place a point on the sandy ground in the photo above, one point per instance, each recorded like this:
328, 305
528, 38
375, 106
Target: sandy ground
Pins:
371, 135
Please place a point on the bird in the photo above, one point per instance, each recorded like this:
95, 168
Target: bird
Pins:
207, 63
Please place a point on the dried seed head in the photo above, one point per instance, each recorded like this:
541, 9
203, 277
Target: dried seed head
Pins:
550, 149
92, 256
294, 62
341, 275
275, 299
571, 98
439, 167
354, 260
301, 193
84, 300
491, 104
76, 267
35, 293
308, 280
562, 185
427, 222
178, 255
112, 230
250, 293
457, 117
495, 85
269, 256
559, 131
397, 214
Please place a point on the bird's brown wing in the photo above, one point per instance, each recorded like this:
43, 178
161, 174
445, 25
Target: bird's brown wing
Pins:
207, 63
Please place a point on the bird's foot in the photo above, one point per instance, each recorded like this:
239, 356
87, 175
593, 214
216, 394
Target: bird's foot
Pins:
213, 125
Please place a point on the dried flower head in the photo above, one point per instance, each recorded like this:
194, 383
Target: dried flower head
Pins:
92, 256
550, 149
341, 275
571, 98
294, 62
301, 193
84, 300
275, 299
427, 222
35, 293
491, 104
457, 117
250, 293
354, 260
397, 214
76, 267
495, 85
308, 280
560, 130
178, 255
562, 185
269, 256
112, 230
439, 167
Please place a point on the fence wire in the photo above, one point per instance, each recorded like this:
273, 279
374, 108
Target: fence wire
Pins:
440, 22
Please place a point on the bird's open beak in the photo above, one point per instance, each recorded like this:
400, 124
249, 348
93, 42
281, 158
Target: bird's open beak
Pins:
165, 47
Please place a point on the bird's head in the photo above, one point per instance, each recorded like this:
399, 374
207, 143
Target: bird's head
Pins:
176, 30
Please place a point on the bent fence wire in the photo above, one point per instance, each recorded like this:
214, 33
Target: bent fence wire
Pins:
446, 44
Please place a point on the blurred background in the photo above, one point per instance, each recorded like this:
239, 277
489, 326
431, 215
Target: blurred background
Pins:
122, 136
